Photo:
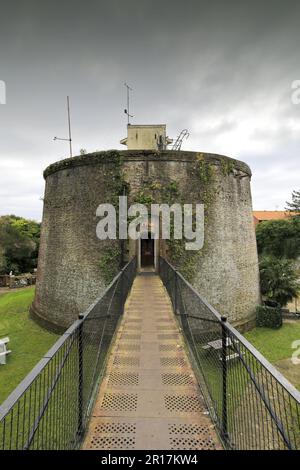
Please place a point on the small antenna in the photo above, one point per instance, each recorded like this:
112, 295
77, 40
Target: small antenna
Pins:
69, 127
126, 111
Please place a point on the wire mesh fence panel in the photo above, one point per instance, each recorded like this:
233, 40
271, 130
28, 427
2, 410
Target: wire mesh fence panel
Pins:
51, 406
252, 404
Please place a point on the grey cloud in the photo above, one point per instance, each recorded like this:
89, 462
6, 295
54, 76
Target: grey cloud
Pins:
208, 66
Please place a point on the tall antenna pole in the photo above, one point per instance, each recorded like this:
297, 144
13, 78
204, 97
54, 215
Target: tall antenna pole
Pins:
127, 110
69, 124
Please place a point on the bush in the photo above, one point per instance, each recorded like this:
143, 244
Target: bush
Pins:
278, 279
280, 238
19, 242
269, 317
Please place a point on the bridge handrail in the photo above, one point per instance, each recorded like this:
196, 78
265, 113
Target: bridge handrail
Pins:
235, 376
49, 408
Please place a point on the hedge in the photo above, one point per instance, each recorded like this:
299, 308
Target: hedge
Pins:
269, 317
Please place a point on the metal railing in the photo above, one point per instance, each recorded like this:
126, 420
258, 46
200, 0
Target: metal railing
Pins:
51, 406
252, 404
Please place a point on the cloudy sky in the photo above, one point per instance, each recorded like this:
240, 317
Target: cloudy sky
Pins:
222, 69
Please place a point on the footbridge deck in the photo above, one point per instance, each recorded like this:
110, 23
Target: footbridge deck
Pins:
149, 398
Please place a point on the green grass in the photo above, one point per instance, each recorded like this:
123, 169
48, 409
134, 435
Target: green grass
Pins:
242, 398
59, 425
275, 344
28, 341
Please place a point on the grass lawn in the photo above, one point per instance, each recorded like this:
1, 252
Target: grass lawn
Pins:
275, 345
58, 429
28, 341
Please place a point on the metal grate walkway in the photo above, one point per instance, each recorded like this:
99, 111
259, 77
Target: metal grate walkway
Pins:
149, 398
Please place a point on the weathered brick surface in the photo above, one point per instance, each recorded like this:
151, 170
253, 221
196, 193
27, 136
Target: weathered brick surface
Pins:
69, 278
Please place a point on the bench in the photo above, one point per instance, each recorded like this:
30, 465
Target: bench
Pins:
217, 344
3, 351
229, 357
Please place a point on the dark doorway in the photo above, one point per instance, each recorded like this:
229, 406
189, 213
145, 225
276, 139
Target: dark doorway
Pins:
147, 251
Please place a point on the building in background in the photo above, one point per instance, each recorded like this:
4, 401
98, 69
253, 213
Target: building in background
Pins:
262, 216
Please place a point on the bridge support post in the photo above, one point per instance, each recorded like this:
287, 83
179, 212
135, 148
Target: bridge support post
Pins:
224, 380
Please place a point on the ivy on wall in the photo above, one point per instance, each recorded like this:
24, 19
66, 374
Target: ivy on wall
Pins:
200, 187
109, 263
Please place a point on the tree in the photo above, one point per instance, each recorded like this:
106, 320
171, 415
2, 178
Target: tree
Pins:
278, 279
280, 238
3, 261
294, 206
19, 240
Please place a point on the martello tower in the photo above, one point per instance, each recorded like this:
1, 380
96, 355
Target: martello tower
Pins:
75, 266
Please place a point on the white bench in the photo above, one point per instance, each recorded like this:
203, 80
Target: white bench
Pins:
229, 357
3, 350
217, 344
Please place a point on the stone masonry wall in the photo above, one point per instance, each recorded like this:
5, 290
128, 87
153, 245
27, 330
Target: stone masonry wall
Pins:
225, 271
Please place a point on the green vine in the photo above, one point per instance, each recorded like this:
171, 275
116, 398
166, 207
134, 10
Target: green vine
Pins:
203, 188
116, 184
143, 197
227, 166
110, 260
109, 263
205, 173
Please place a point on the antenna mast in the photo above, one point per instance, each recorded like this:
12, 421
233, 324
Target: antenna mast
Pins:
69, 127
69, 124
127, 110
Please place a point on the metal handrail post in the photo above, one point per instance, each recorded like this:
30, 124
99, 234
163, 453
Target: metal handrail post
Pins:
224, 379
80, 380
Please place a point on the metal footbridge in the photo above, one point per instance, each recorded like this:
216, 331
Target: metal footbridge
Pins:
151, 365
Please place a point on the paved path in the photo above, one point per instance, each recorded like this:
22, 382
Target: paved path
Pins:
149, 398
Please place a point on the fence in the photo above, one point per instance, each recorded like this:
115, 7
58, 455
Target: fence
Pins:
17, 281
51, 406
4, 280
252, 404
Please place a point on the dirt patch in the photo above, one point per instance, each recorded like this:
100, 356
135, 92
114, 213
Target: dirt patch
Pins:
289, 370
5, 290
292, 321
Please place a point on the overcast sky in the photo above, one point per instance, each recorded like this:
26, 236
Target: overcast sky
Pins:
221, 69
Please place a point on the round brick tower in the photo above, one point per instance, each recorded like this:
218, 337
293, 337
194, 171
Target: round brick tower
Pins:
75, 266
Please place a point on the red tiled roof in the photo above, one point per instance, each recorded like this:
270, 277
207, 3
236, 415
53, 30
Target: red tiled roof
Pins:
270, 215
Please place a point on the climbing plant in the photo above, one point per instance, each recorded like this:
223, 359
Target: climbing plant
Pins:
110, 260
